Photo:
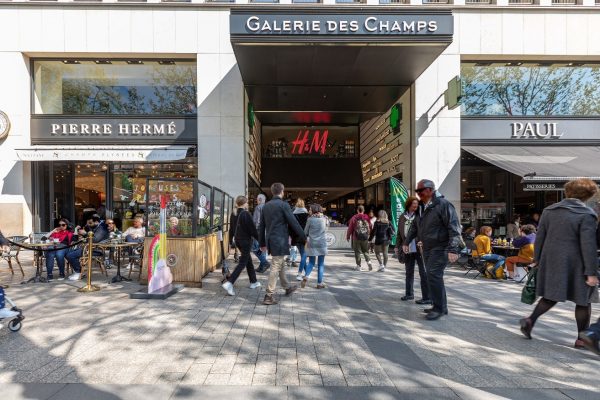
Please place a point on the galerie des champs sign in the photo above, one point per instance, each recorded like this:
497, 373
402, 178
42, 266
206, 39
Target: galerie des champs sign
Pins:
370, 24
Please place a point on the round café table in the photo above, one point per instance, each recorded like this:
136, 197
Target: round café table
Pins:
118, 247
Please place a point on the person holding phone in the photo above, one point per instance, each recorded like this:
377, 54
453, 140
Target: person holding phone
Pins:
61, 237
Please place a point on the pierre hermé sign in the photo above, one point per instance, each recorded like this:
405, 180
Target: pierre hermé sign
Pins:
341, 24
80, 130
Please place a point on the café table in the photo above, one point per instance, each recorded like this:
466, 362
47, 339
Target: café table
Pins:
38, 248
117, 247
505, 250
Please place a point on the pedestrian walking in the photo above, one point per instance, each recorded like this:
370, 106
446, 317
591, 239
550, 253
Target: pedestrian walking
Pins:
276, 222
372, 218
437, 229
413, 256
359, 229
301, 214
381, 234
591, 336
316, 244
565, 252
245, 233
261, 255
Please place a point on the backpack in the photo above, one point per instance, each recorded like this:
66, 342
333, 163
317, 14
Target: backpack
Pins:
361, 229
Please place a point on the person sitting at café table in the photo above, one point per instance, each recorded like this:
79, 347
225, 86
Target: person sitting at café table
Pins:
484, 248
524, 243
61, 236
112, 227
136, 232
100, 234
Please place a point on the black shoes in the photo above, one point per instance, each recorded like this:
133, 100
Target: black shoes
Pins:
590, 341
424, 302
263, 267
405, 298
526, 327
432, 316
430, 310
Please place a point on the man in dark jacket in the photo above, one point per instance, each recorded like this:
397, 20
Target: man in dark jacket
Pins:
262, 256
437, 231
276, 221
100, 232
591, 336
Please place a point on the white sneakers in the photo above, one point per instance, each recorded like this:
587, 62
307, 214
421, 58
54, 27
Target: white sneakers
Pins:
381, 268
364, 269
228, 286
298, 277
75, 276
7, 313
255, 285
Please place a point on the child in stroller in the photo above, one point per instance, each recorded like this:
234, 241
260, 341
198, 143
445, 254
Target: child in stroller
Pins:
13, 314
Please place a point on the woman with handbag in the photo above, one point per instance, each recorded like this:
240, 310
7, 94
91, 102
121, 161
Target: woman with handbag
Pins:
382, 232
245, 231
413, 256
566, 258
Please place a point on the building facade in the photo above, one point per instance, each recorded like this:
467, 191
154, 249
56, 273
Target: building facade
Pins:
99, 98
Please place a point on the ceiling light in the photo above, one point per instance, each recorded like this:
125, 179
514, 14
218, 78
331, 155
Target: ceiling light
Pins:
135, 62
71, 62
572, 64
166, 62
103, 62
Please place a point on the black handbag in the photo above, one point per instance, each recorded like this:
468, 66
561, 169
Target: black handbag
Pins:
528, 294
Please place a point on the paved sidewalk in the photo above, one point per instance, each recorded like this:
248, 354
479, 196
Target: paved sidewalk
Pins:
353, 340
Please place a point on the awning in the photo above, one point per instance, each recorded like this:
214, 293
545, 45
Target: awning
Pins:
103, 153
558, 163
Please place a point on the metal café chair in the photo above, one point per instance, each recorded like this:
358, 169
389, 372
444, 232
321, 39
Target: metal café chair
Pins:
474, 262
13, 253
136, 258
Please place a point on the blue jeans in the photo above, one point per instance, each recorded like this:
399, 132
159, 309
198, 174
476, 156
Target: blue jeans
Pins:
60, 260
302, 266
73, 257
499, 260
262, 257
311, 265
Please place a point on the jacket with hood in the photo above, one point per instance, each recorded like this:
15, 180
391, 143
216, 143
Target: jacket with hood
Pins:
382, 232
301, 215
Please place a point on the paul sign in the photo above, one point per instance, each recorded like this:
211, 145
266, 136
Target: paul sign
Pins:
539, 130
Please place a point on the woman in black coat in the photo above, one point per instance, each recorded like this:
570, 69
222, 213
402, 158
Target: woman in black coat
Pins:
566, 256
244, 231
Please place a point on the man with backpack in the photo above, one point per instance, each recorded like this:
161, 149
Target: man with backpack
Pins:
359, 229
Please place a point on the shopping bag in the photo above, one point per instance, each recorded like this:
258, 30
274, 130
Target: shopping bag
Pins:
528, 295
520, 273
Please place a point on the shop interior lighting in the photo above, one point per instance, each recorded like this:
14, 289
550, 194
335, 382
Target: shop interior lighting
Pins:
102, 61
514, 64
572, 64
166, 62
135, 62
71, 62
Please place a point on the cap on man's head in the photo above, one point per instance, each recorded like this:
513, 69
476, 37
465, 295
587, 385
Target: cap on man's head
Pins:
427, 184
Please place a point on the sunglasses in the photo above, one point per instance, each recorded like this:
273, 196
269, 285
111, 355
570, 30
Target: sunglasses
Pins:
62, 224
421, 190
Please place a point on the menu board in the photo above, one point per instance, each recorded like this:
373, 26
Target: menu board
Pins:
180, 206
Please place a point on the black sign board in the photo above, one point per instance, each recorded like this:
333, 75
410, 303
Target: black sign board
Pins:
113, 130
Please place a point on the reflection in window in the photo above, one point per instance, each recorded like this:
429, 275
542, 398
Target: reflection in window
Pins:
531, 89
107, 87
180, 206
217, 208
204, 205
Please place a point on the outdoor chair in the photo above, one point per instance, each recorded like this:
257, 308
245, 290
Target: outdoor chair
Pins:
13, 253
136, 258
96, 259
474, 262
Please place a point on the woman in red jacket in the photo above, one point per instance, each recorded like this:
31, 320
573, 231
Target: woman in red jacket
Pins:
61, 236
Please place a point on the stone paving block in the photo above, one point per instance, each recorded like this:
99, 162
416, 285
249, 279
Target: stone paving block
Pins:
266, 364
287, 375
207, 355
357, 380
242, 374
264, 379
311, 380
223, 364
217, 379
197, 374
286, 356
308, 364
332, 375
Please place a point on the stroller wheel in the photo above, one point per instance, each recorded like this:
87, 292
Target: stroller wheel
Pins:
15, 325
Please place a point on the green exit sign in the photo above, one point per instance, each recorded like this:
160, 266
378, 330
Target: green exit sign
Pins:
396, 118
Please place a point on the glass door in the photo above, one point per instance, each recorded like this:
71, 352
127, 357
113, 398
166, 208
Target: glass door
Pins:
90, 191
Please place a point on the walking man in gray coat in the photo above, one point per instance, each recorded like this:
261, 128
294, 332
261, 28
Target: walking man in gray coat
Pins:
276, 221
437, 231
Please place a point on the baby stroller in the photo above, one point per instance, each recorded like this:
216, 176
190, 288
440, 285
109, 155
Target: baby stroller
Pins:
13, 314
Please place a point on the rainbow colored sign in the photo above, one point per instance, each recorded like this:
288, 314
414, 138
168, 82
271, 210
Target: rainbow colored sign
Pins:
159, 273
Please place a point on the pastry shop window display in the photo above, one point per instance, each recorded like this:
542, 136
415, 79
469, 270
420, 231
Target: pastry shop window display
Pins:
204, 208
180, 195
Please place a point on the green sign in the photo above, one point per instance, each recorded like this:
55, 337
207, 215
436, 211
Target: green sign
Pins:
396, 117
454, 93
398, 196
250, 115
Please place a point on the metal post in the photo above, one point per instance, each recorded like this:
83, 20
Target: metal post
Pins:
89, 287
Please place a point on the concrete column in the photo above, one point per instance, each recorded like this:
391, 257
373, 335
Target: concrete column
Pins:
221, 144
437, 129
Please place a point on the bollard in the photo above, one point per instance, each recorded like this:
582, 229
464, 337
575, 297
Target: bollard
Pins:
89, 287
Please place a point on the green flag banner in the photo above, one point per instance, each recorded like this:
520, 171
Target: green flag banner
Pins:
398, 196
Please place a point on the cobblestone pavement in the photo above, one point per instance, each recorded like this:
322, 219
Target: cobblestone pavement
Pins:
355, 339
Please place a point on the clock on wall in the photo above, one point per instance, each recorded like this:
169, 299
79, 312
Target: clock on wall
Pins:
4, 125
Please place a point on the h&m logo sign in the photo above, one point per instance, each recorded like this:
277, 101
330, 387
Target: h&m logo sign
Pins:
537, 130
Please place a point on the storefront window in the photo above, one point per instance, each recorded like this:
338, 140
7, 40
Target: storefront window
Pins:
180, 206
204, 206
112, 87
534, 89
217, 208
